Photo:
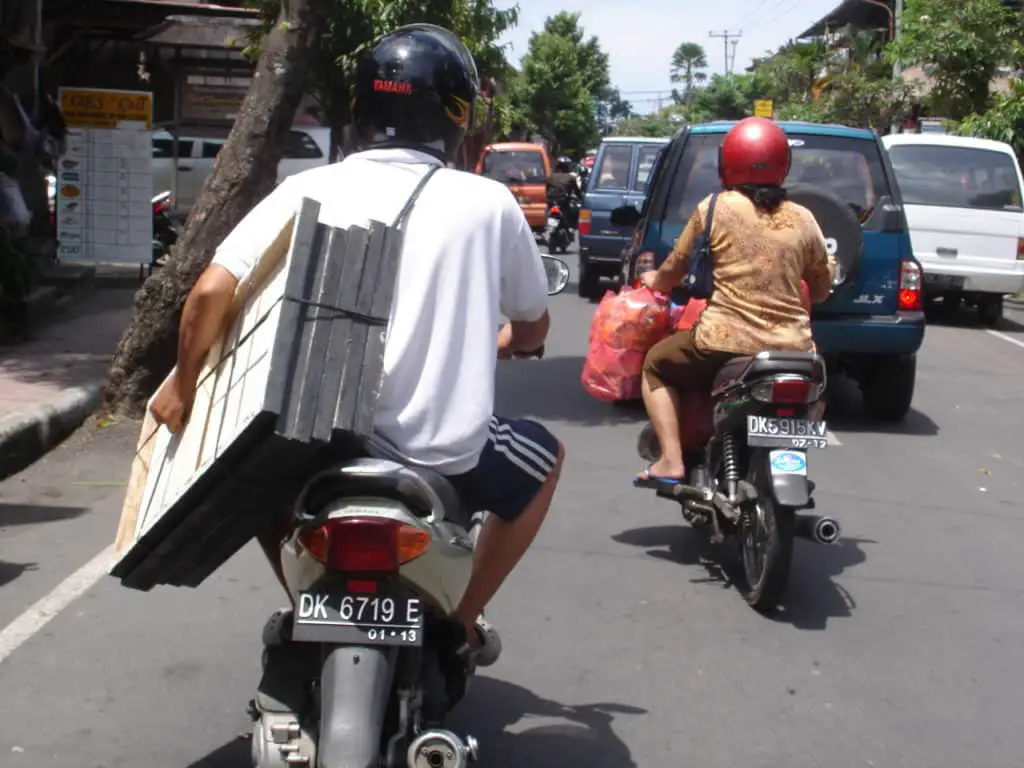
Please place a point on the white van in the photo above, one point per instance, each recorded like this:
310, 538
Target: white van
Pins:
963, 202
305, 147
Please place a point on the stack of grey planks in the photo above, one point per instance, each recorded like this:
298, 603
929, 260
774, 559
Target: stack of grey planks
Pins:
291, 386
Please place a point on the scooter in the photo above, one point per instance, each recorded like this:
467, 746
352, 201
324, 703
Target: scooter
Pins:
562, 225
750, 479
165, 229
365, 669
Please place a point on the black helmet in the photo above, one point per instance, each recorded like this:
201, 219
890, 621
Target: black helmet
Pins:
563, 164
416, 88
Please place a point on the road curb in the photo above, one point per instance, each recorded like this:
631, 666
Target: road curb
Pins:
28, 435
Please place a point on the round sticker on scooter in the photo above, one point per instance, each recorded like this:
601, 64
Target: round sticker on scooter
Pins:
788, 462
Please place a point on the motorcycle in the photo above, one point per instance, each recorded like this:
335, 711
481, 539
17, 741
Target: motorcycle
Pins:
365, 669
750, 479
165, 229
562, 221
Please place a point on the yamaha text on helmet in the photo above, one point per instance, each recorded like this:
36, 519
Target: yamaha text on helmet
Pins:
416, 88
755, 153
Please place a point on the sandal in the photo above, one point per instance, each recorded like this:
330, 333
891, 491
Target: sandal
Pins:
647, 480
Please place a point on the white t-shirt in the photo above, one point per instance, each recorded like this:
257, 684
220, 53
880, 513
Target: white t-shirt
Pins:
468, 258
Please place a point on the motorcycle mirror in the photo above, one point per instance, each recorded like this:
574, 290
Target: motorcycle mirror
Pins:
558, 274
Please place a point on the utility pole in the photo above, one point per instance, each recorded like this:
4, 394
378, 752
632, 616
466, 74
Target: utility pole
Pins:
897, 13
732, 55
726, 37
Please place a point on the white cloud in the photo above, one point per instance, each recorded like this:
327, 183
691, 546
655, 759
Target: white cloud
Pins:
641, 35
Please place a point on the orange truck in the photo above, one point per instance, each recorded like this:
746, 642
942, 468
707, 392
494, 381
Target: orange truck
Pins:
526, 169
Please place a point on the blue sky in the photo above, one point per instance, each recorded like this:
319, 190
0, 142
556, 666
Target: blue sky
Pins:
640, 35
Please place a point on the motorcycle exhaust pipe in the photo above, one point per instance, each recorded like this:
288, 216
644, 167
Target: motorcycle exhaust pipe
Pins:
441, 749
820, 529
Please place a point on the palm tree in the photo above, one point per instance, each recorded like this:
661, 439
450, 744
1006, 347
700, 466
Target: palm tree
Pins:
687, 62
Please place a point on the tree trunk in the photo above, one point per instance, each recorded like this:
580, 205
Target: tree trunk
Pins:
244, 172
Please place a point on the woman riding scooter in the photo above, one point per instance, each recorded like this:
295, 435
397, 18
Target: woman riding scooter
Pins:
761, 245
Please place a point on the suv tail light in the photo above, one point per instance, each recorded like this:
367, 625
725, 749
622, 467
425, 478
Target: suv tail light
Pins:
644, 263
910, 295
584, 222
364, 544
789, 390
1020, 249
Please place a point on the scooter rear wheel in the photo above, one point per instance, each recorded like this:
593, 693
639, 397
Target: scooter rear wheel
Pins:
765, 536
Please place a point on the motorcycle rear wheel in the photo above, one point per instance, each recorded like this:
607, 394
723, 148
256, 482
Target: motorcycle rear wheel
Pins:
765, 535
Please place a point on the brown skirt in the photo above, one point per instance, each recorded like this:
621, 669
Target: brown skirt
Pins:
677, 362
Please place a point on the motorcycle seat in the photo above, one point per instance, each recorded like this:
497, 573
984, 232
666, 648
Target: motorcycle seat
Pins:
764, 364
417, 493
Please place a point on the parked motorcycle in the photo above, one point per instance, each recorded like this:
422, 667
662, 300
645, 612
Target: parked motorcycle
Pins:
750, 481
165, 229
364, 671
562, 222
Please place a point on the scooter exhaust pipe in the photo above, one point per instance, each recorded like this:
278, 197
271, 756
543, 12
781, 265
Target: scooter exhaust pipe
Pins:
820, 529
441, 749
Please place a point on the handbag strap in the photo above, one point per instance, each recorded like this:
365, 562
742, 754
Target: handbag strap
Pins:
710, 219
404, 213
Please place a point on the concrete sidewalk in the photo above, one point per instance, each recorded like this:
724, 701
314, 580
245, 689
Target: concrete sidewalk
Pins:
50, 383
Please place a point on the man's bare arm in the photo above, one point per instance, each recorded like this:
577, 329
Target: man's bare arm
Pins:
529, 336
202, 321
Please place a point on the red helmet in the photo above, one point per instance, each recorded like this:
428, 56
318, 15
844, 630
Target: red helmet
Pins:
755, 151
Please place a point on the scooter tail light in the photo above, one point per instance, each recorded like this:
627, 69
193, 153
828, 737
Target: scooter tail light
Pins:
584, 222
364, 545
556, 211
911, 297
789, 391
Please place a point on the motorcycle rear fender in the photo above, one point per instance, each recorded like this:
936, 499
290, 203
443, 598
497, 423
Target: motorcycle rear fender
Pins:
786, 490
355, 686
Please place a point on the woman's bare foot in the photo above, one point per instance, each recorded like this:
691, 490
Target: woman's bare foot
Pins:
663, 470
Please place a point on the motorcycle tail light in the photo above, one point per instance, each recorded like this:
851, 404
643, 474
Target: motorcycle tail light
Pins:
364, 545
584, 227
911, 298
556, 211
790, 390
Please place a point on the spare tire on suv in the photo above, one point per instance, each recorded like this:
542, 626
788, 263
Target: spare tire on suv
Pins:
843, 234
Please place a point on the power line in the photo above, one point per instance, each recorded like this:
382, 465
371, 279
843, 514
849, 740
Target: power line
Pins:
726, 37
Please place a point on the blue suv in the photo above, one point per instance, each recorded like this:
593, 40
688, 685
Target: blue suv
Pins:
621, 172
873, 325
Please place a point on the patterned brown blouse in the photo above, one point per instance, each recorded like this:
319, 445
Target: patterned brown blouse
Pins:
759, 260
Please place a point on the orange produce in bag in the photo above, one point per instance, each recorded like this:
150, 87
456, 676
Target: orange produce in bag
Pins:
625, 326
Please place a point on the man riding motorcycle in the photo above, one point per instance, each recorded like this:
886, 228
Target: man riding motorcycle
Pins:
564, 188
762, 246
462, 268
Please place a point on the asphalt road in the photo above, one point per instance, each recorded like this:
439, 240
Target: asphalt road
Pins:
624, 645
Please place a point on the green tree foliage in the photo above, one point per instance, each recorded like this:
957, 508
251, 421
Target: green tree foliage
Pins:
1004, 121
688, 62
961, 45
563, 89
358, 23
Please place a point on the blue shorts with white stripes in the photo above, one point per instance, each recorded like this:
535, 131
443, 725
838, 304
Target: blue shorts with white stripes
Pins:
518, 457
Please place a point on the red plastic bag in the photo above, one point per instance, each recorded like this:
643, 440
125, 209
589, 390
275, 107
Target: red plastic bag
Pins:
625, 326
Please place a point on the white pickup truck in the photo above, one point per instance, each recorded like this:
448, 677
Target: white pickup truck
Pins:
306, 147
